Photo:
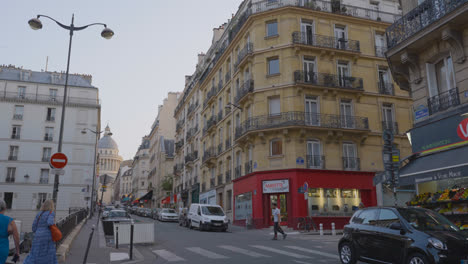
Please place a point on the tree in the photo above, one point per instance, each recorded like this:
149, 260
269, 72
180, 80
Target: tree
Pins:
167, 183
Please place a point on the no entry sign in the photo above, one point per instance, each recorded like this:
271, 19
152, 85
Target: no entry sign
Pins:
58, 160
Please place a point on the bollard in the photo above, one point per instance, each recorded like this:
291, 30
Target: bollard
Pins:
321, 229
117, 237
333, 229
131, 241
89, 244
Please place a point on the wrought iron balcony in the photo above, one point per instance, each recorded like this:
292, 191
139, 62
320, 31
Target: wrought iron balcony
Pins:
228, 110
10, 179
190, 158
227, 76
220, 179
179, 145
209, 125
47, 99
243, 53
211, 93
44, 180
220, 148
220, 85
443, 101
228, 143
178, 168
180, 124
326, 41
248, 167
238, 172
286, 119
393, 126
419, 18
220, 115
351, 163
386, 88
246, 88
329, 80
18, 117
228, 176
315, 162
209, 154
15, 136
192, 107
191, 132
48, 137
12, 157
380, 51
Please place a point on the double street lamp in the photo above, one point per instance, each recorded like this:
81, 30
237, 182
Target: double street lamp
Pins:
106, 33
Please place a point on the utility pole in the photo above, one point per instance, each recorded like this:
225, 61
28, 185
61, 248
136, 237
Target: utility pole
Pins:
391, 160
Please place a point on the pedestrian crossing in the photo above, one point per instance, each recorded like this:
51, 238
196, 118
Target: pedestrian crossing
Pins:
220, 252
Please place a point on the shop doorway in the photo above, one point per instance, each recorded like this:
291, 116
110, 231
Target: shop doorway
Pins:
280, 199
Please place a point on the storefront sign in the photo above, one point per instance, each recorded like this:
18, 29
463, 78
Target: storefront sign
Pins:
279, 186
443, 174
449, 132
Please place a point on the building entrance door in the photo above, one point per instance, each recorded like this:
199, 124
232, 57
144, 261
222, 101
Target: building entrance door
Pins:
280, 199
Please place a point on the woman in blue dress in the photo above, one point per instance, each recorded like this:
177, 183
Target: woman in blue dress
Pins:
7, 227
43, 248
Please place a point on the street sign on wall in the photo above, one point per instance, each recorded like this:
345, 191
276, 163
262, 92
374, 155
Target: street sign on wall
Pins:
58, 160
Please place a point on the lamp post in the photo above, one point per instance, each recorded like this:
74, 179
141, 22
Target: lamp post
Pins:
84, 131
106, 33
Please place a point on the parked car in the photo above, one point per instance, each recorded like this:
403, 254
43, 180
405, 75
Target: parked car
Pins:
402, 235
146, 212
106, 210
168, 215
115, 216
139, 211
183, 218
207, 217
155, 213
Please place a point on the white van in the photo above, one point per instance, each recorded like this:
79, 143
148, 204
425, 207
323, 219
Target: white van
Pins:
207, 217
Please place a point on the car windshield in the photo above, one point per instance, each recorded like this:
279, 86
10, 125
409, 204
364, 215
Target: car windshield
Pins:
117, 214
212, 210
426, 220
108, 208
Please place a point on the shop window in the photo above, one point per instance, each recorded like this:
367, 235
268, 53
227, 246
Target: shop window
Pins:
335, 202
315, 207
243, 206
335, 208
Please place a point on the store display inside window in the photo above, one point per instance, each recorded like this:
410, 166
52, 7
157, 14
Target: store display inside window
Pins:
333, 202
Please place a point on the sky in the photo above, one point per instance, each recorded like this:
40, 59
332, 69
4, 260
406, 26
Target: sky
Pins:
155, 45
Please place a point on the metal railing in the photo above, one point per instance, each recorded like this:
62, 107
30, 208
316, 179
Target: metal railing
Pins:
351, 163
10, 179
380, 51
227, 77
220, 179
228, 143
209, 124
228, 176
386, 88
178, 168
325, 41
393, 126
329, 80
190, 157
246, 88
67, 224
220, 148
17, 117
243, 53
238, 172
192, 107
443, 101
179, 124
302, 119
45, 98
44, 180
419, 18
50, 118
248, 167
211, 93
191, 132
220, 115
15, 136
179, 144
11, 157
208, 154
315, 162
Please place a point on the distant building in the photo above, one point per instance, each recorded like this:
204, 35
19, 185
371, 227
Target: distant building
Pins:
140, 168
119, 191
30, 110
109, 164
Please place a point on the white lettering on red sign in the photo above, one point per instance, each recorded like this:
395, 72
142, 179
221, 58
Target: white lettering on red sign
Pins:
278, 186
462, 129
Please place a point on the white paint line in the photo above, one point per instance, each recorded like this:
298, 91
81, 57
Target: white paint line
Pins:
59, 160
287, 233
302, 262
314, 252
279, 251
206, 253
243, 251
318, 247
169, 256
114, 256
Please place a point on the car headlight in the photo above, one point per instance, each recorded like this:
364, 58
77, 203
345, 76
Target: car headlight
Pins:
226, 220
436, 243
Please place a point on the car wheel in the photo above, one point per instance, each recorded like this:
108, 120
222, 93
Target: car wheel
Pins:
347, 255
417, 258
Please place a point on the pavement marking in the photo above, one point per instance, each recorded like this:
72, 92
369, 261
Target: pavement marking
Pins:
243, 251
279, 251
318, 246
302, 262
206, 253
169, 256
114, 256
314, 252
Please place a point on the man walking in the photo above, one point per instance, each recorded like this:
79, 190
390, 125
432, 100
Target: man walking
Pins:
276, 218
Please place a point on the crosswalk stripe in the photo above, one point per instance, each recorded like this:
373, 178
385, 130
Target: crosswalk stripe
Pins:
313, 252
206, 253
279, 251
169, 256
243, 251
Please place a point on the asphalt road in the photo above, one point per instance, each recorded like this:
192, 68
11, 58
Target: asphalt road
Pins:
175, 244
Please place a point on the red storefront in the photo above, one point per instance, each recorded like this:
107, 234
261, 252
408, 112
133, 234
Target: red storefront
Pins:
331, 196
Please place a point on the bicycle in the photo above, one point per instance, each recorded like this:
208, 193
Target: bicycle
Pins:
305, 224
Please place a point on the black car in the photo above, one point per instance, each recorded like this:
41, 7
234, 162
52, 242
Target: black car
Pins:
402, 235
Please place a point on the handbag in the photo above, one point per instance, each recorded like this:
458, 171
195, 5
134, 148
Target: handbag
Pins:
54, 231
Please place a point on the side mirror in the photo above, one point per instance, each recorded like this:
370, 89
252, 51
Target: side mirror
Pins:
398, 226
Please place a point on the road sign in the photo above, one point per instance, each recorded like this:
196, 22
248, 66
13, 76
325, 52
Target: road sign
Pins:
104, 186
57, 171
58, 160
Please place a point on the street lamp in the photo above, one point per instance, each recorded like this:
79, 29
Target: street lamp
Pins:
84, 131
106, 33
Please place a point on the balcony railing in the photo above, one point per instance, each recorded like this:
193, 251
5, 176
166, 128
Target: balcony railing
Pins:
48, 138
191, 157
228, 143
386, 88
17, 117
246, 88
15, 136
238, 172
50, 118
209, 154
419, 18
10, 179
220, 85
302, 119
228, 176
443, 101
326, 41
393, 126
227, 77
179, 144
220, 179
12, 157
192, 107
380, 51
209, 124
220, 148
211, 93
315, 162
178, 168
243, 53
248, 167
191, 132
329, 80
44, 180
46, 98
351, 163
179, 124
220, 115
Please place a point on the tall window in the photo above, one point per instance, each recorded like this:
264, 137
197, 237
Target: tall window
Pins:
276, 147
53, 94
237, 120
220, 105
272, 28
44, 176
385, 86
312, 111
309, 70
380, 44
274, 106
343, 74
19, 110
350, 160
10, 176
16, 132
220, 136
307, 32
314, 156
13, 154
220, 76
42, 197
388, 117
273, 66
49, 134
50, 114
340, 37
441, 76
21, 92
346, 111
46, 153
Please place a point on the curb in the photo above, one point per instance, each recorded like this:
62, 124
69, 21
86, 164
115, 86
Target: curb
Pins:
65, 246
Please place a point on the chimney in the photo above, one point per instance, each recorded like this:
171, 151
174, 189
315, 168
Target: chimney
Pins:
187, 79
217, 33
201, 56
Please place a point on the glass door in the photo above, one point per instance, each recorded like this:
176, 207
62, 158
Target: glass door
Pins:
340, 37
309, 71
346, 111
313, 155
307, 32
281, 201
343, 73
387, 114
312, 117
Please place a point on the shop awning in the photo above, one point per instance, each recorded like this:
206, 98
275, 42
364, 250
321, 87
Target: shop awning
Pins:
166, 200
147, 196
452, 163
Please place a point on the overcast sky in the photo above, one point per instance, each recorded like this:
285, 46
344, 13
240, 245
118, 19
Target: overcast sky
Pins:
155, 45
